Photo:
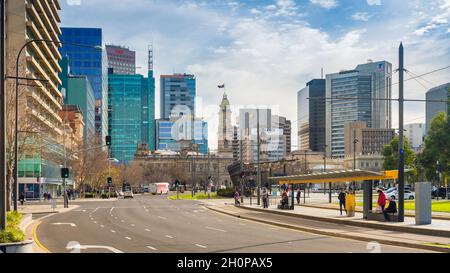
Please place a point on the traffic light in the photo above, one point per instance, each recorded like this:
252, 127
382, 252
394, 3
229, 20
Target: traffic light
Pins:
64, 172
108, 140
110, 181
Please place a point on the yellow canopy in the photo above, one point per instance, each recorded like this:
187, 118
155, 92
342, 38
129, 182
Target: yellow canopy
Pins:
336, 177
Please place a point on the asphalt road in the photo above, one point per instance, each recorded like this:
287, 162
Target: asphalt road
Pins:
154, 224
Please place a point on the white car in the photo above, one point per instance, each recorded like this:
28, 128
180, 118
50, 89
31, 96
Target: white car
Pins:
409, 195
128, 194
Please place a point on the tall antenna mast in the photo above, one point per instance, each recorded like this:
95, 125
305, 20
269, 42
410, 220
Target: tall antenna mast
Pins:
150, 57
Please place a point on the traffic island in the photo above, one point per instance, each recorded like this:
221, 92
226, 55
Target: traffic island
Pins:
12, 239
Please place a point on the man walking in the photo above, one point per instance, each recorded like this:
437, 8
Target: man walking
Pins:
341, 198
299, 194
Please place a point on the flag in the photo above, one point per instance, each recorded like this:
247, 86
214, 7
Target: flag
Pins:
221, 86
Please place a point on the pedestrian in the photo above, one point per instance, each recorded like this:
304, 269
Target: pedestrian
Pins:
341, 198
381, 200
236, 198
392, 208
350, 203
265, 198
21, 198
299, 194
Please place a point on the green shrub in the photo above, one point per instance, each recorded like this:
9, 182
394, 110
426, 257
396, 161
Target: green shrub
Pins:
12, 233
226, 192
13, 218
89, 195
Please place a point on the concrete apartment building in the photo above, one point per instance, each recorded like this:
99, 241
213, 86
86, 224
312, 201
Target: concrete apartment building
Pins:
40, 103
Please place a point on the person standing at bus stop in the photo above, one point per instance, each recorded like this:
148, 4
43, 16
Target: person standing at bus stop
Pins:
341, 198
381, 199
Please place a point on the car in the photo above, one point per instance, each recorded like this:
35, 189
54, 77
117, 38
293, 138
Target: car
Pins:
409, 195
441, 193
128, 194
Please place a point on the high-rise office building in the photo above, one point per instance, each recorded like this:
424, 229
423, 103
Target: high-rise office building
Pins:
129, 117
78, 91
171, 133
132, 112
178, 93
415, 133
311, 116
39, 103
433, 107
91, 61
361, 94
121, 60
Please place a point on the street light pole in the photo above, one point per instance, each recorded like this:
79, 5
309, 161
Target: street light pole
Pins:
3, 181
259, 160
401, 165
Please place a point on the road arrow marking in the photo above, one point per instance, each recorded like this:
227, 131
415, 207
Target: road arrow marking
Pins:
84, 247
201, 246
61, 224
216, 229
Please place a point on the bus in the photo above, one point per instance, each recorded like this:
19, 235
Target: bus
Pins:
159, 188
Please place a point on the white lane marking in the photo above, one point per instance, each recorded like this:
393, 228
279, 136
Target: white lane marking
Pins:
168, 236
122, 221
84, 210
102, 226
94, 210
216, 229
62, 224
115, 218
113, 231
128, 238
78, 247
95, 222
147, 230
150, 247
201, 246
161, 217
195, 211
132, 225
110, 211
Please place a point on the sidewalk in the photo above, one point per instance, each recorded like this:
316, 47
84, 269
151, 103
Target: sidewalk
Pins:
328, 222
408, 213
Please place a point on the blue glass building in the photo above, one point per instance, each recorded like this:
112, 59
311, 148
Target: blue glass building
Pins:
92, 62
177, 90
131, 118
169, 132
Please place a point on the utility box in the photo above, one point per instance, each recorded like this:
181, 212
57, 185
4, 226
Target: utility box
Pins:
423, 203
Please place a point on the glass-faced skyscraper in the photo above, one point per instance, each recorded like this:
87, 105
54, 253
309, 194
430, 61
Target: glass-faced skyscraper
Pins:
357, 88
131, 120
90, 61
311, 116
177, 90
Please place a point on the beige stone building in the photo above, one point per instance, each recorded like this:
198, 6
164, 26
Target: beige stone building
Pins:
370, 141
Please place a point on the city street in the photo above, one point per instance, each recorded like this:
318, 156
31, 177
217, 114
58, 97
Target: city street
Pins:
154, 224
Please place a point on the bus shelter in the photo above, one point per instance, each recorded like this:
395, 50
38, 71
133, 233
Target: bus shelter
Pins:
367, 177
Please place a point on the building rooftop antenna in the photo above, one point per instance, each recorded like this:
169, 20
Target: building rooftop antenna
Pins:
150, 57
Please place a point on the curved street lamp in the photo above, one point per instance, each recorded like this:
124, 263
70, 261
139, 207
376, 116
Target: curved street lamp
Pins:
16, 152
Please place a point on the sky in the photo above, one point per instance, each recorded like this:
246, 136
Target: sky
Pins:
266, 51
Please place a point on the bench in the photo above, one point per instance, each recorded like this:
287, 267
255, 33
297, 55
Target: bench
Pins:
393, 217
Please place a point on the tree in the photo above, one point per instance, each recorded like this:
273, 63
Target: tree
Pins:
437, 148
133, 173
392, 158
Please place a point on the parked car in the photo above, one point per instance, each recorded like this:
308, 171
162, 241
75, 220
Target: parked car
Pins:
409, 195
441, 193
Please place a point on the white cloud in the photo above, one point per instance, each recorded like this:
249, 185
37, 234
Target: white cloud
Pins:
361, 16
73, 2
327, 4
374, 2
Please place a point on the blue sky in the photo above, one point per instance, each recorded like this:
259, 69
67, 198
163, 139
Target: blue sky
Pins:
265, 51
